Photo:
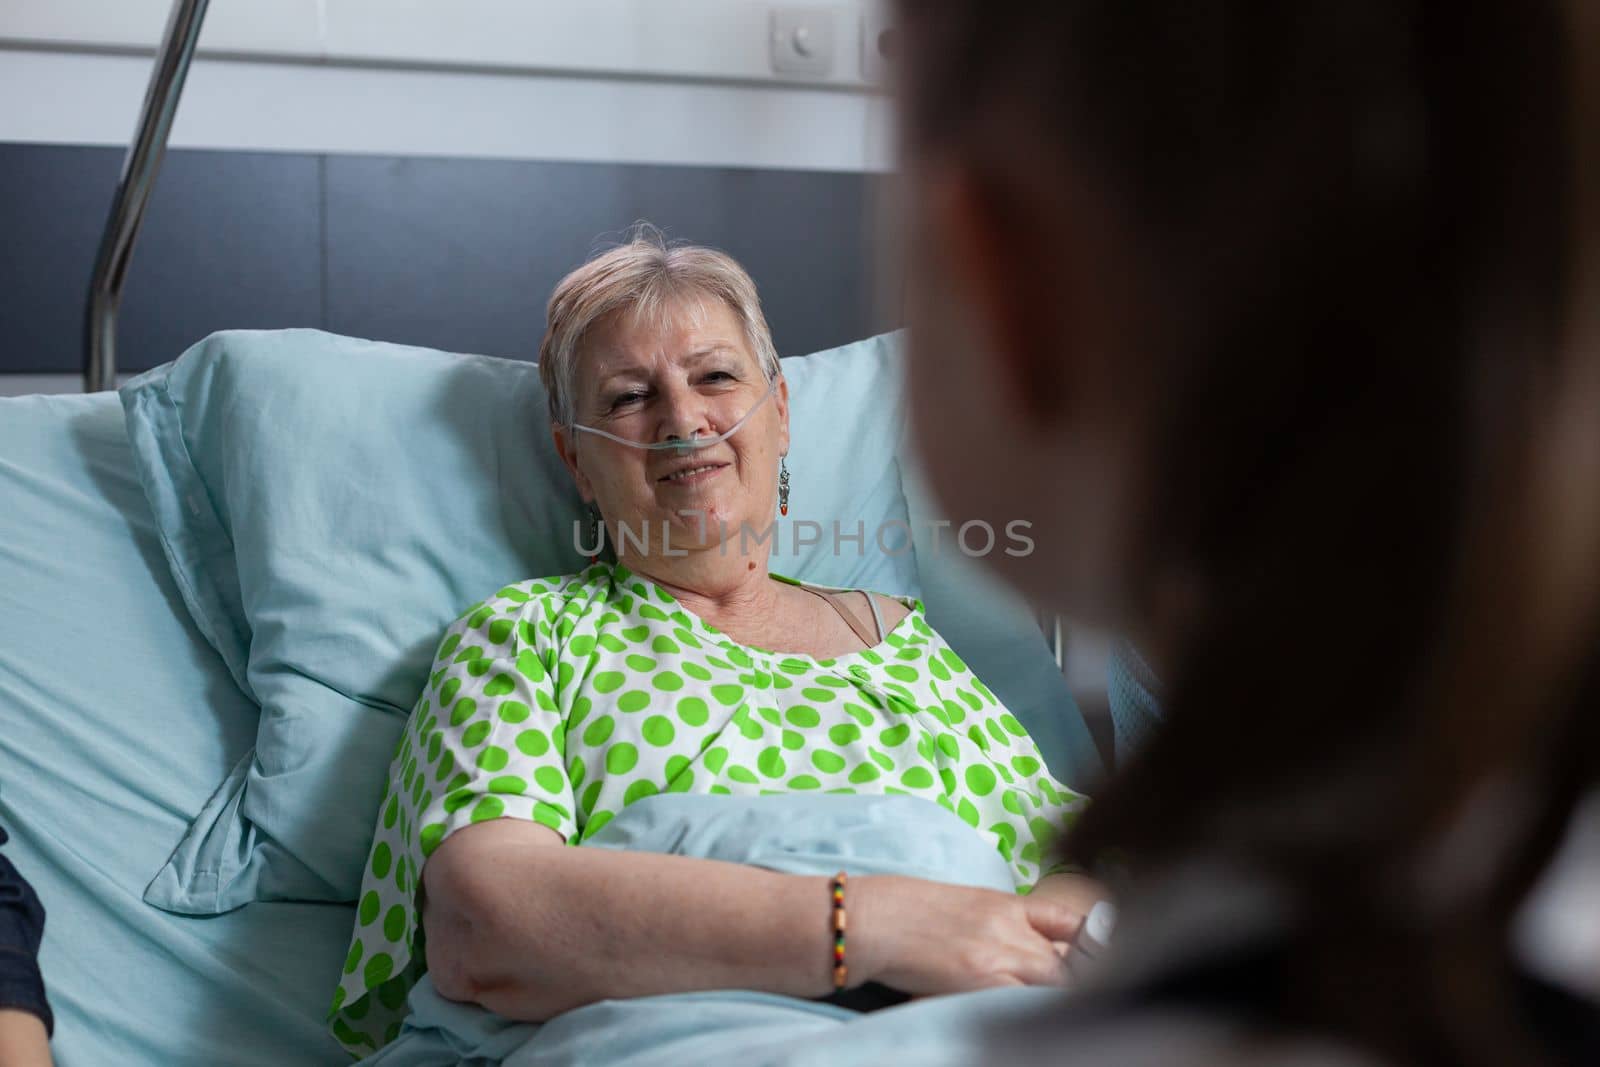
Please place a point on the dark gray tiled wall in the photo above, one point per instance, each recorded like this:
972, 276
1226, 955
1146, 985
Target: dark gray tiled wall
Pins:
457, 254
231, 239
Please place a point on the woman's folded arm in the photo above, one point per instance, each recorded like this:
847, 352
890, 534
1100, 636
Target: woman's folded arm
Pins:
518, 923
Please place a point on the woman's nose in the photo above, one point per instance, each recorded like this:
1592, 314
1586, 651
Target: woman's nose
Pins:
683, 415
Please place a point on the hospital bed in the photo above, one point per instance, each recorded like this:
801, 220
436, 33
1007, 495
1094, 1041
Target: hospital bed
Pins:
119, 716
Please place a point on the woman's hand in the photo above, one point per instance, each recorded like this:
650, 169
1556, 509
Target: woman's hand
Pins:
1077, 892
924, 937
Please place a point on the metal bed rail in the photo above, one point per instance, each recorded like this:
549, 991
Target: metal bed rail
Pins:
139, 170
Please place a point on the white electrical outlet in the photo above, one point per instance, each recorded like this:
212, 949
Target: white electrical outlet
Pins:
803, 40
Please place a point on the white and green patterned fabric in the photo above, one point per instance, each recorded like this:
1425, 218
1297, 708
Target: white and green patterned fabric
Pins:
563, 700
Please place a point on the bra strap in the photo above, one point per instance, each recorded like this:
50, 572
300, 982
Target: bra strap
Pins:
847, 615
877, 619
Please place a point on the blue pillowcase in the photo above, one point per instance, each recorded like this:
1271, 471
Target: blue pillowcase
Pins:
328, 505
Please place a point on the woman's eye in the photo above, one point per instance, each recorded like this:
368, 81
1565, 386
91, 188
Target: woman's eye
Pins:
625, 399
719, 376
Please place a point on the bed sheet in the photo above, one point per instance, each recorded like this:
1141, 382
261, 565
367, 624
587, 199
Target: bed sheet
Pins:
116, 722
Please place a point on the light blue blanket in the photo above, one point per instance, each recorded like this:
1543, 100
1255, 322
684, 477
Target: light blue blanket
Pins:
797, 834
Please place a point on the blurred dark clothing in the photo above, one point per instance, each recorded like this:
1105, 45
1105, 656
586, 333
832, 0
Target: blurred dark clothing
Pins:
1199, 976
21, 929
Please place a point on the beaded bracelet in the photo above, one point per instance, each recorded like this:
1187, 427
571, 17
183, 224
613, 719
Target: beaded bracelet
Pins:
840, 971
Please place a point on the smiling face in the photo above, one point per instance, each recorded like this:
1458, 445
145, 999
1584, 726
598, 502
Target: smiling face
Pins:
683, 373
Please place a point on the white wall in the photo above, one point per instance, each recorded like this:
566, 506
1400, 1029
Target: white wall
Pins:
647, 81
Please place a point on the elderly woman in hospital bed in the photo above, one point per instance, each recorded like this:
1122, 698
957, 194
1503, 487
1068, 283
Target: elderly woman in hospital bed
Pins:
685, 667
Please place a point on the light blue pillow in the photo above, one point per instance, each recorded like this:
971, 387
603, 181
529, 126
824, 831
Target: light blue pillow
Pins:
328, 505
846, 423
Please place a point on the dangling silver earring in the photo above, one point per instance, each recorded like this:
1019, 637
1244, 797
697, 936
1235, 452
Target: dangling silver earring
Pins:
594, 535
783, 485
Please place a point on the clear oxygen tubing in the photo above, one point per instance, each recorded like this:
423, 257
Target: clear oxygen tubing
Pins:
684, 446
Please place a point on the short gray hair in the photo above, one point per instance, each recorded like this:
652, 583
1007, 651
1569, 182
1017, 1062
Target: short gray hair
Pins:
641, 276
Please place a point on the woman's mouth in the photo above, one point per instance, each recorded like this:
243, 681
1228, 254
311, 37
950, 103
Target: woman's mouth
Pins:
693, 475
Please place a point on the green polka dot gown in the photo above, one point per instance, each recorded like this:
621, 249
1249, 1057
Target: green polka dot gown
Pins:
563, 700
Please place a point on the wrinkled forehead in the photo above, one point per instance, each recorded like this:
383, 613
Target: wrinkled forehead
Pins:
656, 335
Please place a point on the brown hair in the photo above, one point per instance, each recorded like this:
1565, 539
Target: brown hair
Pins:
1364, 234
